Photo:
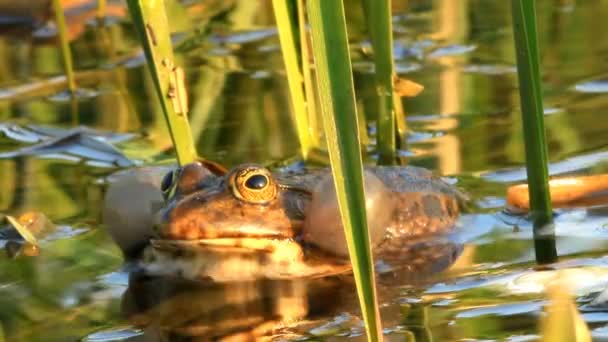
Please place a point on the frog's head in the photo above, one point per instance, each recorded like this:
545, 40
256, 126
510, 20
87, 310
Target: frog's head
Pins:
246, 202
239, 226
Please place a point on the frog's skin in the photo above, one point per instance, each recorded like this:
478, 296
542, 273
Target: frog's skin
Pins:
250, 223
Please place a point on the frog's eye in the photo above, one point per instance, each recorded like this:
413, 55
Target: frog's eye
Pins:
253, 184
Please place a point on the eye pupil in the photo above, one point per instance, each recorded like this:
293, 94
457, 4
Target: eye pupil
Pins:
257, 182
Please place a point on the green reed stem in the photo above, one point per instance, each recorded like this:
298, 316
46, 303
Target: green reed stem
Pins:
65, 45
379, 24
400, 118
530, 92
287, 26
337, 100
311, 99
151, 23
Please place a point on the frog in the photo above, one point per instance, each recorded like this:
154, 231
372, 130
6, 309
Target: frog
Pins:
250, 223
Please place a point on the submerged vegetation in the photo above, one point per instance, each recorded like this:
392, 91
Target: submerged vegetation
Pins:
322, 81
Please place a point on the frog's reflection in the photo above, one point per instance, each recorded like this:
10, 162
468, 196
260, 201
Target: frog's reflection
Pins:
182, 310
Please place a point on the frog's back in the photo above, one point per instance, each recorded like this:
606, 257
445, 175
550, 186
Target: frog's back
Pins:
425, 203
404, 179
426, 208
397, 178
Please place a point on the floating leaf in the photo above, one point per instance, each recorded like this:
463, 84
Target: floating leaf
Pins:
75, 143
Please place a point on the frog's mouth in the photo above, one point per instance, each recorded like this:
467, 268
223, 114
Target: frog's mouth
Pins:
258, 244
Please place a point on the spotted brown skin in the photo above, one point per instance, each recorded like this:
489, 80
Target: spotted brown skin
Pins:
252, 213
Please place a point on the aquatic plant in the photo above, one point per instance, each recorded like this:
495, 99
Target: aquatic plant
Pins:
379, 25
289, 39
339, 112
152, 26
530, 91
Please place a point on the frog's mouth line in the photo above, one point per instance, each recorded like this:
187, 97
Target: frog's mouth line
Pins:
227, 244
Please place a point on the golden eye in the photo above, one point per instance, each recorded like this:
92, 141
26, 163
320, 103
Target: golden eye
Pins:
253, 184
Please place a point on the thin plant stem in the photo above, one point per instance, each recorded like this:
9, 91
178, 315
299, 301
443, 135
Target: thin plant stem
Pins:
65, 45
311, 98
530, 92
379, 23
287, 37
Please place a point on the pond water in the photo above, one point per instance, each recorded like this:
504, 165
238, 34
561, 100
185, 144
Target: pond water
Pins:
465, 125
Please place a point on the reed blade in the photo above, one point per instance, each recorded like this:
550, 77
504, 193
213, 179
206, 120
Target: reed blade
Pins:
152, 26
337, 102
530, 92
379, 24
288, 36
309, 89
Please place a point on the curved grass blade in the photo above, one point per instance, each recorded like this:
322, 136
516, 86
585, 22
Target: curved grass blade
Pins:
287, 27
151, 23
530, 92
65, 45
337, 100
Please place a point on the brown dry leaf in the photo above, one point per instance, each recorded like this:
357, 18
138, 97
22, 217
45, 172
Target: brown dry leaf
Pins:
406, 88
563, 322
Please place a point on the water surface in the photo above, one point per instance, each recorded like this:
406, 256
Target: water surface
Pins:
465, 125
